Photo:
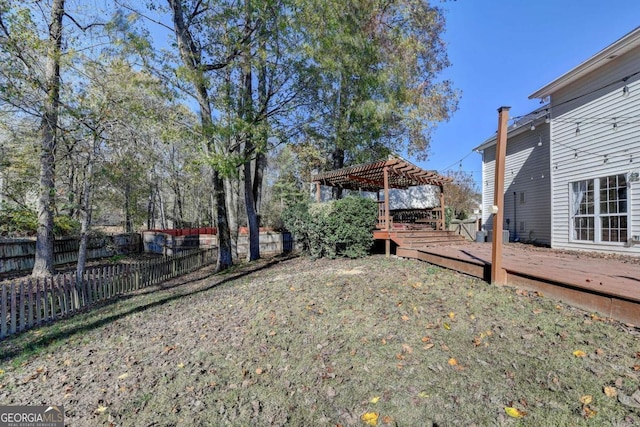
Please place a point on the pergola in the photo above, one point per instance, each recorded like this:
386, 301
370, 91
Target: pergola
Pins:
383, 175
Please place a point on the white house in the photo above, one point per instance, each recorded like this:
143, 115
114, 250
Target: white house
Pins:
583, 186
527, 183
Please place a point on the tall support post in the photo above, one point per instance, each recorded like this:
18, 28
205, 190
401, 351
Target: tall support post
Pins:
498, 274
387, 216
442, 218
318, 193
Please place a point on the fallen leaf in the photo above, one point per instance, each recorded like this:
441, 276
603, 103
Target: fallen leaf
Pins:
588, 412
180, 365
514, 412
1, 371
537, 311
428, 346
259, 371
636, 367
123, 376
452, 315
387, 419
426, 339
375, 399
586, 399
405, 317
407, 349
453, 362
370, 418
447, 326
579, 353
610, 391
423, 394
100, 409
599, 351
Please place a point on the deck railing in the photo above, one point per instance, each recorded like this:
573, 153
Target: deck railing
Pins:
27, 303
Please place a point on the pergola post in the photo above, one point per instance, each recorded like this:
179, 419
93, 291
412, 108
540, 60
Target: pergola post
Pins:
442, 218
387, 216
498, 274
318, 193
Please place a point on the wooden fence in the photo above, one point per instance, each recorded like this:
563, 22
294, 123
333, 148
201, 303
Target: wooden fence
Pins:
19, 254
27, 303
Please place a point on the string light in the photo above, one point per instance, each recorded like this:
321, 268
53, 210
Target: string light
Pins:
533, 126
539, 140
577, 128
615, 124
547, 117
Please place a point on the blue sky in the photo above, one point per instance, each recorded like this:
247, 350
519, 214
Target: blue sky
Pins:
503, 50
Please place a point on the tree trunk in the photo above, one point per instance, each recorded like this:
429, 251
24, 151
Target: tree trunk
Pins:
151, 209
232, 215
337, 162
247, 115
43, 265
191, 59
85, 221
163, 214
128, 222
225, 259
263, 100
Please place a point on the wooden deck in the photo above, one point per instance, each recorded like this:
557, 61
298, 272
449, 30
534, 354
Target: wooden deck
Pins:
608, 286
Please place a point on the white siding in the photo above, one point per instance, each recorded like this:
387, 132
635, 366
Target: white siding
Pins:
598, 150
527, 197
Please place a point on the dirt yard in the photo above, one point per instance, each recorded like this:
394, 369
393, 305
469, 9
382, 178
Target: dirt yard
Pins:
376, 341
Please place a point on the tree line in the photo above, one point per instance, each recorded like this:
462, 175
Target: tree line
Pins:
206, 112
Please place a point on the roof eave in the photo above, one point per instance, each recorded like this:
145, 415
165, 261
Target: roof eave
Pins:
619, 47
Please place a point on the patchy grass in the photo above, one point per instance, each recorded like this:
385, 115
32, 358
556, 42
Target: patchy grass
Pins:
302, 342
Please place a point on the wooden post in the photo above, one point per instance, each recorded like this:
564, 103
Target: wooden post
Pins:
443, 223
318, 194
387, 217
498, 274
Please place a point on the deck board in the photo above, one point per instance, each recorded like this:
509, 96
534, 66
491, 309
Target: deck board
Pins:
610, 286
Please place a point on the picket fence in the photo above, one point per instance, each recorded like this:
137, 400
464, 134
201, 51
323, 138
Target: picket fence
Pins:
27, 303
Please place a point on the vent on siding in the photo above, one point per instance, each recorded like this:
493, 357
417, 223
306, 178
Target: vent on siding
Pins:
522, 227
522, 198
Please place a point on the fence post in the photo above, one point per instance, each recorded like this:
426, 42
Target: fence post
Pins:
38, 303
3, 312
21, 320
30, 300
12, 324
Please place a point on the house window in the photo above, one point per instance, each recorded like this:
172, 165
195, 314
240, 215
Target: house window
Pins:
613, 208
599, 209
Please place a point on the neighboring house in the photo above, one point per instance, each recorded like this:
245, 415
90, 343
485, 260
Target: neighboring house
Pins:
590, 155
527, 181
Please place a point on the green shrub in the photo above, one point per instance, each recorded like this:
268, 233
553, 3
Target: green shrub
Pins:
333, 229
20, 221
448, 216
65, 226
17, 221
